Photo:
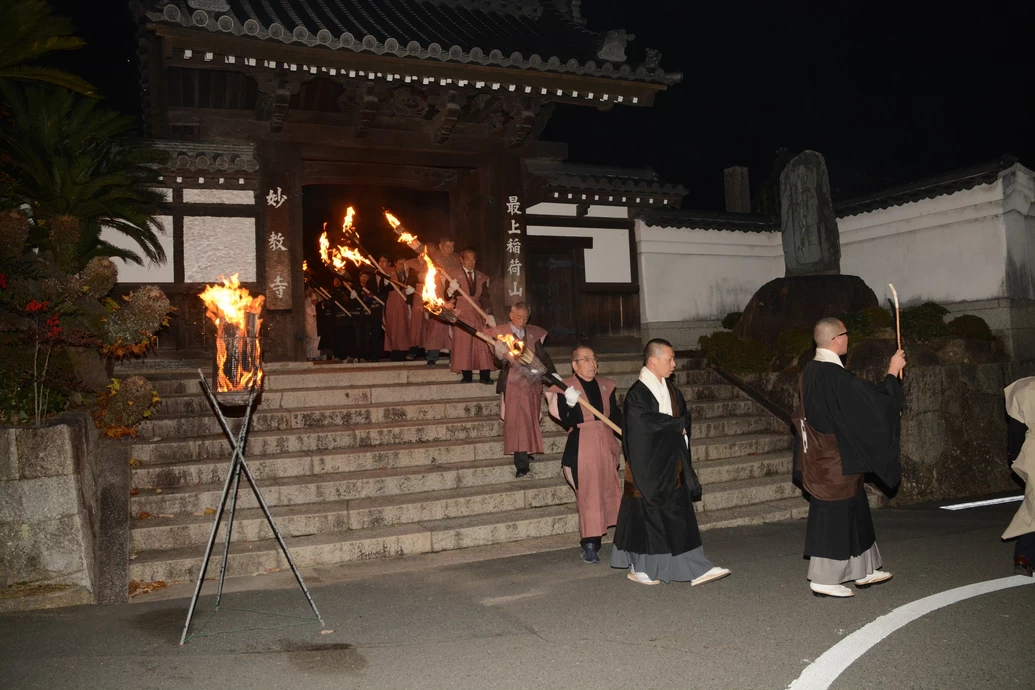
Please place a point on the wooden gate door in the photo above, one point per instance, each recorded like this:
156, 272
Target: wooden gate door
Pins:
552, 291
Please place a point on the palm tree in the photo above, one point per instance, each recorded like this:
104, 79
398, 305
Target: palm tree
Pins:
69, 158
30, 31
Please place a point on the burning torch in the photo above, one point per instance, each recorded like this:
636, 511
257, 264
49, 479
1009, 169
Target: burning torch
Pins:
414, 244
523, 356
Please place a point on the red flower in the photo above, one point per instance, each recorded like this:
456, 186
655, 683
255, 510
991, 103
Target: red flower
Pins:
54, 326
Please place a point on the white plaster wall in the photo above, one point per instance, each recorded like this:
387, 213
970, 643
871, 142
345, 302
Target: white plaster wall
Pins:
701, 275
608, 260
216, 247
218, 196
149, 272
951, 248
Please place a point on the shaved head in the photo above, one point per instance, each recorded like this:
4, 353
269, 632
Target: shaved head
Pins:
826, 330
656, 349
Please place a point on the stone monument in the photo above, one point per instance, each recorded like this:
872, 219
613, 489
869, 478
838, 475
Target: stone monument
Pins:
812, 286
811, 242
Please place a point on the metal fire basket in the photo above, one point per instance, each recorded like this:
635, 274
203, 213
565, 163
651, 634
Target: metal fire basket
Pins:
233, 480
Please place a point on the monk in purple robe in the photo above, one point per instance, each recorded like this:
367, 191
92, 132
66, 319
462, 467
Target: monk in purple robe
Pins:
521, 391
591, 454
469, 353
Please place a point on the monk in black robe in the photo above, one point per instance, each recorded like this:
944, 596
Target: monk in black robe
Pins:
657, 537
847, 428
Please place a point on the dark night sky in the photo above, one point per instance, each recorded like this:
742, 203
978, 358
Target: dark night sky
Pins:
888, 94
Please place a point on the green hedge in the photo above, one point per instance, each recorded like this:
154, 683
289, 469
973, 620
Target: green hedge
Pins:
924, 323
794, 341
730, 321
726, 351
970, 326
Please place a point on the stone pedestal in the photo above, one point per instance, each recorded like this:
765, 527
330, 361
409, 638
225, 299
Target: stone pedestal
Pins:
799, 302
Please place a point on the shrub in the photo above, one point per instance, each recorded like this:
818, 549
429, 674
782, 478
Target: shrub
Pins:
794, 341
924, 323
970, 326
868, 322
726, 351
875, 319
730, 321
124, 406
132, 327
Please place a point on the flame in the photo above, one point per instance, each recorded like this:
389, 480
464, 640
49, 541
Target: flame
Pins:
517, 347
305, 265
325, 244
406, 237
352, 255
335, 257
232, 307
392, 220
349, 214
432, 302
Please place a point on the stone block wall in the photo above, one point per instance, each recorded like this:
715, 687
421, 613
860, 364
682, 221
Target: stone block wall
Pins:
64, 516
953, 427
45, 533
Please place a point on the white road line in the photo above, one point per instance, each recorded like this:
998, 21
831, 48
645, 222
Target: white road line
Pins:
981, 504
833, 662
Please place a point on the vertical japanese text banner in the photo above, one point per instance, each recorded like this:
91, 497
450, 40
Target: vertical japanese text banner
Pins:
277, 246
514, 250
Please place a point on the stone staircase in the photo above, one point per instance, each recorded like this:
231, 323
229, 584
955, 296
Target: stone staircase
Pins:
371, 461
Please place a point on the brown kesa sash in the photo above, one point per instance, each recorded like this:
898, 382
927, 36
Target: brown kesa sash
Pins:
819, 460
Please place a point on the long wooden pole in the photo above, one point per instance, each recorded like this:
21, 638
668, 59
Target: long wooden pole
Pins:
399, 229
557, 381
898, 320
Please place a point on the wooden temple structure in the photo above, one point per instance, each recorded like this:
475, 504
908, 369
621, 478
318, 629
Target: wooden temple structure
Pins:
256, 100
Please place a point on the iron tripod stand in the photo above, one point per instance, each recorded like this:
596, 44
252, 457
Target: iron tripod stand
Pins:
233, 476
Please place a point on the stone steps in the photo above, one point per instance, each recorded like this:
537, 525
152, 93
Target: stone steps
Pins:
401, 481
410, 379
190, 472
379, 460
261, 443
181, 424
426, 536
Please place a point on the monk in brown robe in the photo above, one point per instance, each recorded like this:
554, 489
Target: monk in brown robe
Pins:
437, 335
591, 454
469, 353
397, 312
521, 392
417, 269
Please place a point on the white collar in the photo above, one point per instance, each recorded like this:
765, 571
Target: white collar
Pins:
658, 387
829, 356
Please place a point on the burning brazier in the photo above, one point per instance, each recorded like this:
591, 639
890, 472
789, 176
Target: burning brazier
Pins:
238, 356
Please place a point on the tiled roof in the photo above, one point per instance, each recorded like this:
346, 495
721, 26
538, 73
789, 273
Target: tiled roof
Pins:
539, 35
957, 181
602, 178
698, 220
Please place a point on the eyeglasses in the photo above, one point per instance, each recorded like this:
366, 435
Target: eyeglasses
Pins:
587, 359
839, 335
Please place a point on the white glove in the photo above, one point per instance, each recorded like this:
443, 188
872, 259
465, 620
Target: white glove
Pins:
410, 290
353, 295
571, 396
490, 321
501, 349
453, 287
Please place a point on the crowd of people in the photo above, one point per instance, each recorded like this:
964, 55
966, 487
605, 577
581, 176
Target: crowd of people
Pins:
846, 428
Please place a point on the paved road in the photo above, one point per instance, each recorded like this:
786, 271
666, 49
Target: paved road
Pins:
549, 621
